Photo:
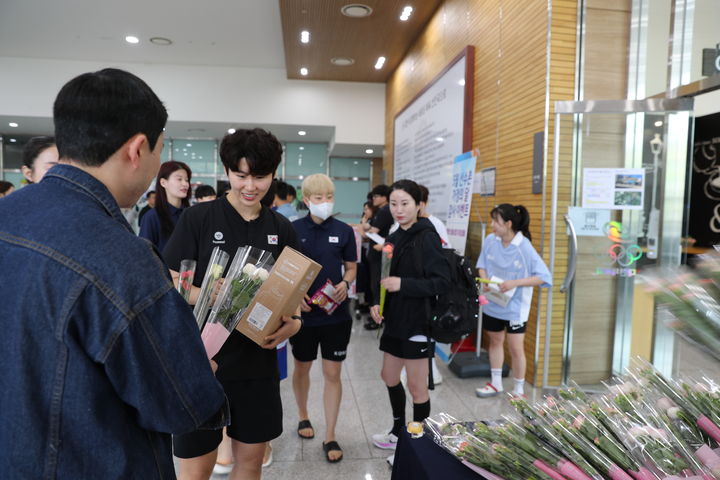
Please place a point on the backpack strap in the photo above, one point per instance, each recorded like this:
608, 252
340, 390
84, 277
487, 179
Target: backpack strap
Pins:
419, 261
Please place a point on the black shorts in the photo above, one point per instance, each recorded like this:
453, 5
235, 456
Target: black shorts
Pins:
255, 416
333, 340
492, 324
406, 349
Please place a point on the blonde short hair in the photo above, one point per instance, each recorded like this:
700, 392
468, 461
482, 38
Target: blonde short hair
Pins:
317, 184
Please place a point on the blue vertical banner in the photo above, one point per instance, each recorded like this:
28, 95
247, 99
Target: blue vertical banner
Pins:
458, 213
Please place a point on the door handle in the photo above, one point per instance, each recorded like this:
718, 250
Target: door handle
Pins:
572, 261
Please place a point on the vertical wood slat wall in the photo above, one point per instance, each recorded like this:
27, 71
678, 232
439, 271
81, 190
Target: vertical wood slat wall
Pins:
510, 39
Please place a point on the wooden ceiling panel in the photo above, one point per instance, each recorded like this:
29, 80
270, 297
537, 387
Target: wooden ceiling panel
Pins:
333, 34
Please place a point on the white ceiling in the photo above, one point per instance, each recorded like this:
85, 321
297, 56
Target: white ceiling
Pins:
238, 33
242, 33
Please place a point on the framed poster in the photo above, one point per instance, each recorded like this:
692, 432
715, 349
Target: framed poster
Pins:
434, 128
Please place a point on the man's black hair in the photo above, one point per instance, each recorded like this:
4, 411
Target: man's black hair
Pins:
96, 113
284, 189
382, 190
269, 197
260, 148
5, 187
203, 191
34, 147
151, 192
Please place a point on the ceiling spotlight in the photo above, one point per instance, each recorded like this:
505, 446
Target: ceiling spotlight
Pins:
342, 61
380, 62
161, 41
659, 123
301, 148
369, 151
304, 36
302, 133
13, 124
356, 10
13, 140
132, 39
188, 144
231, 131
303, 71
406, 13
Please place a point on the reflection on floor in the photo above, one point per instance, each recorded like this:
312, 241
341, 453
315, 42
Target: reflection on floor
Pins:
365, 410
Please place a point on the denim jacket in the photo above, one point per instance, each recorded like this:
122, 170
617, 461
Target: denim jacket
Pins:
100, 358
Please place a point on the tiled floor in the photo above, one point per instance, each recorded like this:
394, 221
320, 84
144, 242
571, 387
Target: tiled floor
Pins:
365, 410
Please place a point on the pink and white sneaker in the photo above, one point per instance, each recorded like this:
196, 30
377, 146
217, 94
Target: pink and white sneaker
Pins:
487, 391
386, 441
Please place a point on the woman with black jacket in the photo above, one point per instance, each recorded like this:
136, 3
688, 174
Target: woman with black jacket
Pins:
418, 271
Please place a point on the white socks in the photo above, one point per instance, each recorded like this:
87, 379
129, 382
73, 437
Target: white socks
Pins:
496, 378
519, 386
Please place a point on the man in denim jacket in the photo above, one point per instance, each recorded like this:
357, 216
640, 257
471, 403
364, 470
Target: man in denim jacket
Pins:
100, 358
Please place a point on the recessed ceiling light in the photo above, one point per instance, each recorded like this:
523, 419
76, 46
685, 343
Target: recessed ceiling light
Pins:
13, 124
231, 131
162, 41
356, 10
369, 151
305, 36
302, 133
303, 71
659, 123
342, 61
301, 177
406, 13
302, 148
380, 62
132, 39
188, 144
13, 140
354, 179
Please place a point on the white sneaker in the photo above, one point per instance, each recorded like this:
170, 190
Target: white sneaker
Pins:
220, 469
437, 376
487, 391
391, 459
386, 441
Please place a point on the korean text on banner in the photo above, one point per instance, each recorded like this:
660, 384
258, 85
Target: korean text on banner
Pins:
458, 213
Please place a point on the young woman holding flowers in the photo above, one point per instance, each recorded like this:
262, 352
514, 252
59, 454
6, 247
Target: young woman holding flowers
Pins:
508, 257
247, 372
172, 185
410, 283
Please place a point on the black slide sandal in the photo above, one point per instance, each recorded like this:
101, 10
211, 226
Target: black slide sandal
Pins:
302, 425
332, 447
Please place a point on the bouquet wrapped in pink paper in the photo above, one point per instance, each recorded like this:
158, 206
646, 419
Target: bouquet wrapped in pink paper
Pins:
213, 274
249, 269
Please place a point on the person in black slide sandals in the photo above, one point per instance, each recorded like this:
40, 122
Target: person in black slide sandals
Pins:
304, 425
332, 447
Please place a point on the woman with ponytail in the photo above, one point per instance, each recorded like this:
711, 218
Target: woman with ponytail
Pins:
510, 262
172, 186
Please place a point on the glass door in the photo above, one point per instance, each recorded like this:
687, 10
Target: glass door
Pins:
619, 177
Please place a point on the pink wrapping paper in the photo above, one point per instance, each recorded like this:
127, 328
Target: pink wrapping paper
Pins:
213, 337
571, 471
617, 473
643, 474
709, 427
708, 457
549, 471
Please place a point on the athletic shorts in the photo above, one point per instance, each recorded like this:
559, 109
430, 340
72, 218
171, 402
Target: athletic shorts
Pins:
332, 339
492, 324
405, 348
255, 416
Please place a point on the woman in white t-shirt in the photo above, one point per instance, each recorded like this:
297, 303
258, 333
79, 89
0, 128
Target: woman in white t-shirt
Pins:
508, 257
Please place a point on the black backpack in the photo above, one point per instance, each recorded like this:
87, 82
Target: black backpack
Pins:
454, 314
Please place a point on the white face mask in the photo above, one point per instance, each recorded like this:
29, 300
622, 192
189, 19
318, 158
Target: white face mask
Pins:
321, 210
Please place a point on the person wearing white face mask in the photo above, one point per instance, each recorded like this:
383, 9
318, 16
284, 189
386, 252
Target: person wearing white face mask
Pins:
331, 243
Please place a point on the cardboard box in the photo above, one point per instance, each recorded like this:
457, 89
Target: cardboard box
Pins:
289, 280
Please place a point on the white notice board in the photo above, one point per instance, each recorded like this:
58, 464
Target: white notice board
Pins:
429, 132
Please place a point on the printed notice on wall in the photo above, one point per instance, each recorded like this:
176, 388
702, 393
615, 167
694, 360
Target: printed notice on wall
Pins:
613, 188
428, 135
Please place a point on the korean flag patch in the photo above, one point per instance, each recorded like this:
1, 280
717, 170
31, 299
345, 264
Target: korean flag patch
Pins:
333, 239
272, 239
